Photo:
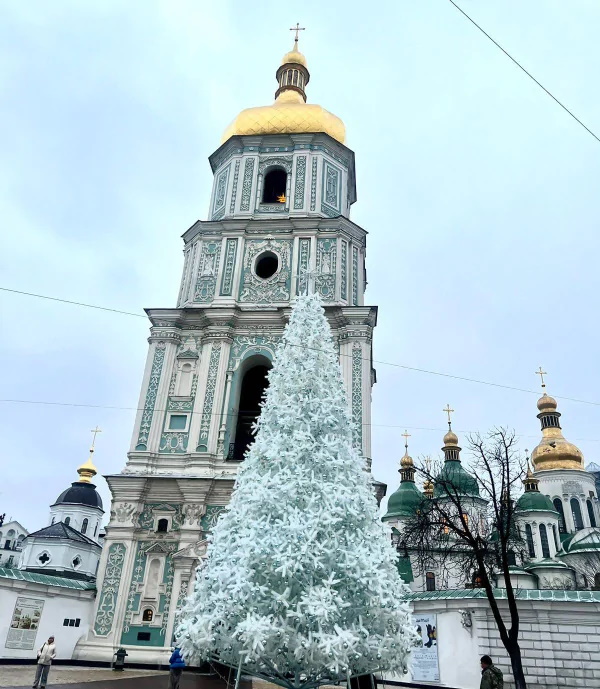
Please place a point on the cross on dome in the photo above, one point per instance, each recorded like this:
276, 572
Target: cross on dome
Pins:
449, 411
406, 436
541, 373
95, 431
297, 28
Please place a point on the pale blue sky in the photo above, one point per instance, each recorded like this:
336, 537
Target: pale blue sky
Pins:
480, 195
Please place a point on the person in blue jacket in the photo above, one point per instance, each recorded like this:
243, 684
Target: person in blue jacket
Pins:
177, 663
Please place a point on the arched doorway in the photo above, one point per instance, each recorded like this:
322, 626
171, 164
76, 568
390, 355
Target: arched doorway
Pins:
254, 383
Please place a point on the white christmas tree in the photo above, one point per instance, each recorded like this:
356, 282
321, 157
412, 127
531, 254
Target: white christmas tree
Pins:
300, 583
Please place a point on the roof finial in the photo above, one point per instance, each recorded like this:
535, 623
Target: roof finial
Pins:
449, 411
297, 28
541, 373
87, 471
406, 436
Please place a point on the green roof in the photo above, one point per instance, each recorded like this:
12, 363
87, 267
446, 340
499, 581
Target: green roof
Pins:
500, 594
405, 569
582, 542
46, 579
546, 564
404, 502
534, 501
454, 476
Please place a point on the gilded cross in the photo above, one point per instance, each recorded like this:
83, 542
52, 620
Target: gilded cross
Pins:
95, 431
541, 374
448, 411
406, 436
296, 29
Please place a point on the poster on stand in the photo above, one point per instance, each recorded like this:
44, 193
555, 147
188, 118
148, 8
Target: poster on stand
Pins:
24, 624
425, 662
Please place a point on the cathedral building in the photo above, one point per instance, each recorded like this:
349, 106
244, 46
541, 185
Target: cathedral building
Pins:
278, 225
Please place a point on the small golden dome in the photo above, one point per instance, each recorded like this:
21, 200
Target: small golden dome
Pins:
450, 438
406, 461
87, 470
294, 57
547, 403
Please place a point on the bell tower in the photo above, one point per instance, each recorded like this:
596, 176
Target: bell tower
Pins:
279, 224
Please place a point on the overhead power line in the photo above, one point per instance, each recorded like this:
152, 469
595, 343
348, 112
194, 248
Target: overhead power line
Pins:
430, 372
520, 66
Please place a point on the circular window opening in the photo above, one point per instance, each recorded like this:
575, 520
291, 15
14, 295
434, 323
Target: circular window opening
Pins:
266, 265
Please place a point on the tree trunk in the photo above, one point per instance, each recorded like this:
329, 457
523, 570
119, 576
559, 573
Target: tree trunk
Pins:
517, 666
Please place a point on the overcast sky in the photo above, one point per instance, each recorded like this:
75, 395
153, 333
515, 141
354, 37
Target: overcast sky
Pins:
479, 193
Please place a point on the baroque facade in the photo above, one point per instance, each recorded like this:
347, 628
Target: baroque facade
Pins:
278, 225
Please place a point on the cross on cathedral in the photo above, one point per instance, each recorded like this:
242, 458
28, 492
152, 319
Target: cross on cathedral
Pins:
449, 411
541, 374
95, 431
296, 29
406, 436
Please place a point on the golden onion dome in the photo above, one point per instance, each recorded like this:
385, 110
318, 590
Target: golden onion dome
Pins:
290, 113
450, 438
554, 451
406, 461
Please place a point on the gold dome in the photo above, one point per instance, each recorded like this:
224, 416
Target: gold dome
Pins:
554, 451
406, 461
87, 470
289, 114
451, 438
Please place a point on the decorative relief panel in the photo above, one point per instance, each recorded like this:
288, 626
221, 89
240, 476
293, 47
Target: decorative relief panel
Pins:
313, 185
207, 271
146, 422
186, 261
107, 603
326, 268
146, 518
344, 270
220, 194
303, 265
229, 267
247, 184
274, 289
354, 276
236, 175
211, 384
243, 343
280, 161
357, 401
189, 280
330, 204
212, 514
300, 182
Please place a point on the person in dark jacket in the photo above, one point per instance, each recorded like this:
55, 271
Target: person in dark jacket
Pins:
491, 677
177, 663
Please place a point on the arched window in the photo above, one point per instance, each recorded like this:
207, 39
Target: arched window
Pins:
152, 581
162, 526
556, 546
530, 543
558, 506
53, 520
96, 529
147, 615
184, 388
511, 558
591, 515
597, 581
274, 186
84, 526
544, 540
254, 384
576, 510
430, 581
67, 520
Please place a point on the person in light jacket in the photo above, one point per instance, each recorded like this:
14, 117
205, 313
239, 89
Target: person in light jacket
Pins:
177, 663
45, 656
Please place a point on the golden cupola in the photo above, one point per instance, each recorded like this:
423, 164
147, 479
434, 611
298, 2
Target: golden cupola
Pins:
290, 113
554, 451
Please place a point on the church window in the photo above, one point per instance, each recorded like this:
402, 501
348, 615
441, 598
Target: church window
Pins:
43, 558
76, 562
576, 510
544, 540
254, 384
96, 529
162, 526
152, 582
558, 506
530, 543
295, 82
185, 381
67, 520
53, 520
84, 526
430, 581
556, 546
274, 186
266, 265
148, 615
591, 515
597, 582
512, 558
178, 422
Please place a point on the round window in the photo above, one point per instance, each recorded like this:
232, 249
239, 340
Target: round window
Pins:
266, 265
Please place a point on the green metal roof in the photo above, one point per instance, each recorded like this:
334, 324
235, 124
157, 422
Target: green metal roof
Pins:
404, 502
46, 579
405, 569
534, 501
500, 594
546, 564
453, 475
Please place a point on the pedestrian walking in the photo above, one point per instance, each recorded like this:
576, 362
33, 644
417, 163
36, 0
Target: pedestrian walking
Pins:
491, 676
177, 663
45, 656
